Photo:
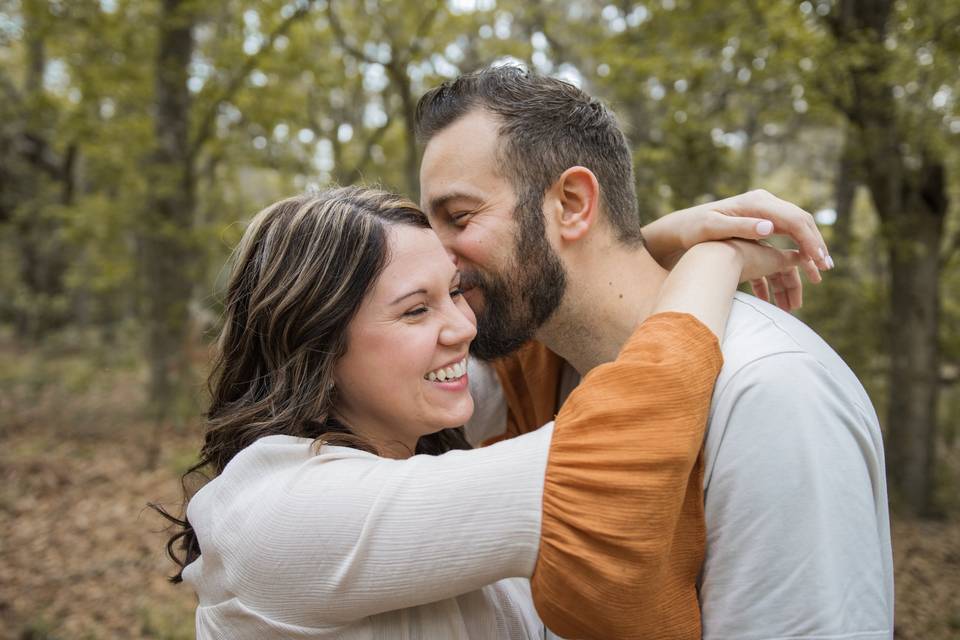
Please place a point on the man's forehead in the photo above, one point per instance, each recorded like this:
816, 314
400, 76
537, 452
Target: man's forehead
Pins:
465, 142
479, 125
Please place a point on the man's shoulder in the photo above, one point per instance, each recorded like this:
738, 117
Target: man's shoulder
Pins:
759, 330
776, 360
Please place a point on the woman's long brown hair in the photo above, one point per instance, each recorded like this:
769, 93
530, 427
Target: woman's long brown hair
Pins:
301, 271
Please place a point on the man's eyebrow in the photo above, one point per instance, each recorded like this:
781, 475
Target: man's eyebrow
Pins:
441, 201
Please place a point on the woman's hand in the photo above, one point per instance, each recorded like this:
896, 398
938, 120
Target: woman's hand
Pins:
772, 271
753, 215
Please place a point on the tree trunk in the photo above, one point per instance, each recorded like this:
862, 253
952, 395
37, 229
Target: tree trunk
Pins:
912, 203
844, 193
912, 206
36, 48
914, 384
166, 241
41, 253
913, 237
408, 105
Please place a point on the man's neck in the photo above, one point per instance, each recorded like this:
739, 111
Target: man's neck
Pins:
608, 294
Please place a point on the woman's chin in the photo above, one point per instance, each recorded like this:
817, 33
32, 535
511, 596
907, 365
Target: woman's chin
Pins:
456, 417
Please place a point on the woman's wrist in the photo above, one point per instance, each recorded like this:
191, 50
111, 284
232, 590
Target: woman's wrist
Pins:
718, 260
702, 284
726, 253
664, 238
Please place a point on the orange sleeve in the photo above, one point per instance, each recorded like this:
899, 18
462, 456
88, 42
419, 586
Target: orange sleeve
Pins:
623, 536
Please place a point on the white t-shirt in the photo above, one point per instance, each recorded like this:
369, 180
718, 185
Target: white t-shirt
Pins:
798, 533
348, 545
798, 530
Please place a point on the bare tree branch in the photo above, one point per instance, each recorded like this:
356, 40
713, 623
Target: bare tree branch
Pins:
9, 88
538, 21
341, 36
205, 126
951, 249
356, 173
756, 15
35, 150
944, 28
424, 28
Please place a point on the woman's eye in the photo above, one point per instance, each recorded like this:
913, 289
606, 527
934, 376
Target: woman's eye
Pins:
415, 312
456, 292
460, 217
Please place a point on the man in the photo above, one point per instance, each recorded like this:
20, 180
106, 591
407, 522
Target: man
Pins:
528, 182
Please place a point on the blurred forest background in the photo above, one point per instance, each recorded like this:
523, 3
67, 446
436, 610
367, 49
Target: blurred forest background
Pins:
138, 136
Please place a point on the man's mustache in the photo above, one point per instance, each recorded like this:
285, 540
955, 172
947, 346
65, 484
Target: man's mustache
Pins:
471, 280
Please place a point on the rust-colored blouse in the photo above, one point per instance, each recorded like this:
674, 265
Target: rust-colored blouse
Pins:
623, 533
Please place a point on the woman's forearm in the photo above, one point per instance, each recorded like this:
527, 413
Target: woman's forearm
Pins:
702, 284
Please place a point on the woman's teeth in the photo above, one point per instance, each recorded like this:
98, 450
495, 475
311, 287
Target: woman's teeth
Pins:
448, 373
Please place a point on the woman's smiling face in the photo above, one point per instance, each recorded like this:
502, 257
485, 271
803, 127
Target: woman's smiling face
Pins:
401, 377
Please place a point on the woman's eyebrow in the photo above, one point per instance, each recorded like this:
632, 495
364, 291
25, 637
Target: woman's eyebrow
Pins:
407, 295
456, 276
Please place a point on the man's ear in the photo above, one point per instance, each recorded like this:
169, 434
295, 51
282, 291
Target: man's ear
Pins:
576, 196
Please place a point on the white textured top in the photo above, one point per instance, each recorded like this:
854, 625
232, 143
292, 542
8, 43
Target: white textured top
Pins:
345, 544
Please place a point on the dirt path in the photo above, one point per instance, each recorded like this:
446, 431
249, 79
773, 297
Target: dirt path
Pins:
80, 556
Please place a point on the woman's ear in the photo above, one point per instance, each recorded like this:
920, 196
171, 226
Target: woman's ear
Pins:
576, 195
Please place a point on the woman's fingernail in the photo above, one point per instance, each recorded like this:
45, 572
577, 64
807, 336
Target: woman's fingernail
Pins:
830, 262
764, 227
823, 255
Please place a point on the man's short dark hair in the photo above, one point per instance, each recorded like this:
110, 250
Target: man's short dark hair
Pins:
546, 126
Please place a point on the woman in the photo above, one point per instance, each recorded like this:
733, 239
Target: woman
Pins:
343, 354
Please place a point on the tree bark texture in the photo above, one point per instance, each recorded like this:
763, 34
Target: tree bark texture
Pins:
844, 192
38, 170
908, 187
167, 253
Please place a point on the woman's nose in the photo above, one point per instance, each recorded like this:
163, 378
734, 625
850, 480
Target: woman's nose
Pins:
458, 327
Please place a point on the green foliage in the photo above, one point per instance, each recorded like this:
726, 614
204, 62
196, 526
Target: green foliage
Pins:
165, 622
717, 97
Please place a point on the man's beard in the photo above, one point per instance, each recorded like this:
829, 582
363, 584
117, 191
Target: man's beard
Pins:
517, 300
